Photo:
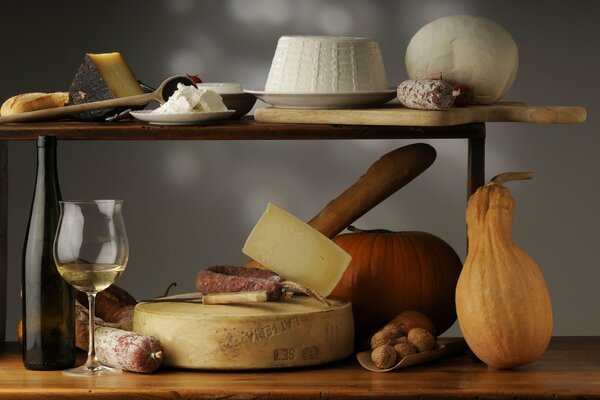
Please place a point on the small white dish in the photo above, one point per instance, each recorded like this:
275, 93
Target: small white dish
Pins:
221, 87
190, 118
324, 100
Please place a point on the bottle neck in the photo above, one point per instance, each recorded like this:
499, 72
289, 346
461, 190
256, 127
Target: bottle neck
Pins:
47, 171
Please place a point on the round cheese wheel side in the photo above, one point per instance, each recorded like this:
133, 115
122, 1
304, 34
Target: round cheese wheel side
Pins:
278, 334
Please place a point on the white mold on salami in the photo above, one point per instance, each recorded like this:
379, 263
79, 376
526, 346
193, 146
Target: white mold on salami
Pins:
426, 94
129, 351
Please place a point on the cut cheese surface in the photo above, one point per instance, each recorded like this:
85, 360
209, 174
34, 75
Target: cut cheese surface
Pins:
297, 332
116, 74
296, 251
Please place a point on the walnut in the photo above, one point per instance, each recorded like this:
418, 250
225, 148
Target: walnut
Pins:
401, 339
382, 337
404, 349
410, 319
393, 330
384, 356
421, 339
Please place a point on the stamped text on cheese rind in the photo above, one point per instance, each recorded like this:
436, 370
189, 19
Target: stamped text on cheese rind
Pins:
260, 333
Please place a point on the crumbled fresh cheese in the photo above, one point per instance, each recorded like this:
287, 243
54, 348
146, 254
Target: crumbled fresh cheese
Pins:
190, 99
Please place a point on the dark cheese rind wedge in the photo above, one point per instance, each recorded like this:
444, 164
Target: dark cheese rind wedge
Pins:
87, 86
94, 81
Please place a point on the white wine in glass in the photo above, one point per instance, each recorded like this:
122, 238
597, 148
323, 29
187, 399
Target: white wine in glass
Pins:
91, 253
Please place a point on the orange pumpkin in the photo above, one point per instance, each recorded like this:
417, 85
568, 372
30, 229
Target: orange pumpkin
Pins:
391, 272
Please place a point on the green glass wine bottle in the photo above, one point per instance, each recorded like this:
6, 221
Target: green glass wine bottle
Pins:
48, 301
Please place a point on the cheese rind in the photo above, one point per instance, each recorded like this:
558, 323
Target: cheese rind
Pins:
468, 50
296, 251
297, 332
102, 77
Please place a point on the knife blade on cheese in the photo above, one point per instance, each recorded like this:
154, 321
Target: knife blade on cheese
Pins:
213, 298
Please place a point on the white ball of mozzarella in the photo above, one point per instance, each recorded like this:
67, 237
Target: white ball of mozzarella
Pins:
466, 50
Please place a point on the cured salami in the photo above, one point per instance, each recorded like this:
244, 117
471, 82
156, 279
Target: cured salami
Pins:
129, 351
227, 279
116, 347
114, 305
427, 94
245, 272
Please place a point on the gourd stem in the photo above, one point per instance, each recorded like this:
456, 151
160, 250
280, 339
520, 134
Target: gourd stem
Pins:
510, 176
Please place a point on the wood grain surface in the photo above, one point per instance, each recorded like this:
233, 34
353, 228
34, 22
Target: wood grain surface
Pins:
570, 369
394, 114
245, 129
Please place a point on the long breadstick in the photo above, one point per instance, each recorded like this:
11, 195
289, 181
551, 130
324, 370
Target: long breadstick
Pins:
388, 174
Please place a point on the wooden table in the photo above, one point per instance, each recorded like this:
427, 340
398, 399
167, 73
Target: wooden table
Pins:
246, 129
570, 369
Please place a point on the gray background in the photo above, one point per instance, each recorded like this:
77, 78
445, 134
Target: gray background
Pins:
191, 204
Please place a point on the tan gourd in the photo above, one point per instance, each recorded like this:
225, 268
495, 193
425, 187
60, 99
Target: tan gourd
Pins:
502, 301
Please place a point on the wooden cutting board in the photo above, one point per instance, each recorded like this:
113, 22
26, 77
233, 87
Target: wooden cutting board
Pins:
396, 115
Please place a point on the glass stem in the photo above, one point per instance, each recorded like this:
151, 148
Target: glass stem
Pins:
92, 360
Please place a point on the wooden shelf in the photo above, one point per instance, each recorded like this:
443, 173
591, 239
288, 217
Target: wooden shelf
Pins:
570, 369
246, 129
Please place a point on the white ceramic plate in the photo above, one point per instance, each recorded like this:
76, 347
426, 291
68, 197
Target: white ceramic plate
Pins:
181, 118
324, 100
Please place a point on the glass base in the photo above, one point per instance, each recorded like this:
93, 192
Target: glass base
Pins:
100, 370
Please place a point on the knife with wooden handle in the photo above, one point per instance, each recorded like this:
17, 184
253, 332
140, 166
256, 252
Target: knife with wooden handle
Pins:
388, 174
213, 298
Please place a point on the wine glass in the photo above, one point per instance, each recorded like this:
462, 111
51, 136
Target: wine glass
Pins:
91, 252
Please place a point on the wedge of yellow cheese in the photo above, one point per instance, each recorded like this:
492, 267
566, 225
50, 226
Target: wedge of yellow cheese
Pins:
296, 251
116, 74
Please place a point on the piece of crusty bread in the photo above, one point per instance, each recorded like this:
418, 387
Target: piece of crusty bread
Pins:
33, 101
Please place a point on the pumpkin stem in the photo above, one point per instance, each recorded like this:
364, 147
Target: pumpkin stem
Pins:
352, 228
510, 176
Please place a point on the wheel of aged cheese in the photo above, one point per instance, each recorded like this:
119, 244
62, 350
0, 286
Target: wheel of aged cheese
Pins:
292, 333
465, 49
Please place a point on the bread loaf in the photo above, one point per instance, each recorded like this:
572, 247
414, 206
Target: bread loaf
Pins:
33, 101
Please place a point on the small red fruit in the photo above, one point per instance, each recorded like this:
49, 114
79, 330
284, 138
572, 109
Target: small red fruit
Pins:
464, 96
194, 78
